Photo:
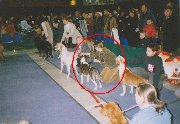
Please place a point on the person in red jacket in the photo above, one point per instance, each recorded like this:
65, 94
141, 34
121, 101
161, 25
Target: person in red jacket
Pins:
148, 35
150, 29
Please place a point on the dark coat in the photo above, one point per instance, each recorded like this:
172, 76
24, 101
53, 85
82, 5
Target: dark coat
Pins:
170, 34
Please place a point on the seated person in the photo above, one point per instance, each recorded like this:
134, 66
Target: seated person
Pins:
148, 36
152, 110
105, 56
150, 29
152, 66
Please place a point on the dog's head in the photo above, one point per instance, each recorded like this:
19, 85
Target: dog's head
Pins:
83, 59
99, 47
114, 112
163, 55
59, 47
90, 41
120, 60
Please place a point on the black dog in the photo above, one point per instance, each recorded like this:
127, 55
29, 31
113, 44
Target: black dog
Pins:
43, 46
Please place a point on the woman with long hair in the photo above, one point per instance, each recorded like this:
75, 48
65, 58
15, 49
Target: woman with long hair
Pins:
152, 110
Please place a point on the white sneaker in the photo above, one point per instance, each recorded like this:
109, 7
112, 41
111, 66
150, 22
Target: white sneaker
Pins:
14, 50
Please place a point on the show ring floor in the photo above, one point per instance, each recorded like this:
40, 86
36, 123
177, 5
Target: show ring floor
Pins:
84, 99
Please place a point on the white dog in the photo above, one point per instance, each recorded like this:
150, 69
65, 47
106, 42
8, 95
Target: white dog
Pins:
129, 78
66, 58
170, 64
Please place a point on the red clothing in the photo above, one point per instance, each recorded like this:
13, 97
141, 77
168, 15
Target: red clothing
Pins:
150, 31
11, 29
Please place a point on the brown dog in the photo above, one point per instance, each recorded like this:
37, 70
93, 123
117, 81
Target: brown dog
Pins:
129, 78
115, 114
1, 50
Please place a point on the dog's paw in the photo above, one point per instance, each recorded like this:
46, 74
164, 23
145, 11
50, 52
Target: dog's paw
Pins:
131, 91
68, 77
122, 94
95, 88
100, 86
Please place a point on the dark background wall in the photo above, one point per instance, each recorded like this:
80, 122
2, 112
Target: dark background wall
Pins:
26, 7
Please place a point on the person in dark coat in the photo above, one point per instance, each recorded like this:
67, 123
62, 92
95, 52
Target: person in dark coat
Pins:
170, 31
144, 15
98, 26
58, 29
130, 30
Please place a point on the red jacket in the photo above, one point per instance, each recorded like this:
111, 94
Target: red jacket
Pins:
150, 31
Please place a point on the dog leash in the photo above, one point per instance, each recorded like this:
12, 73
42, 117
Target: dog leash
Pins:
132, 107
97, 100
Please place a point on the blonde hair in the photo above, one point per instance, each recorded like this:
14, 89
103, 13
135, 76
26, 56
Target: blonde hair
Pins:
148, 91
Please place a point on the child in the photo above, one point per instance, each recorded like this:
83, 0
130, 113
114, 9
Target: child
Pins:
148, 36
152, 66
150, 29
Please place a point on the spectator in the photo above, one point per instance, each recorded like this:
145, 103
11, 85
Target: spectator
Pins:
144, 15
152, 66
58, 29
98, 26
120, 20
90, 24
48, 34
150, 31
106, 21
112, 22
130, 30
152, 110
170, 31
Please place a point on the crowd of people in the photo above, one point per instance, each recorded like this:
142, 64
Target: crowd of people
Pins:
136, 26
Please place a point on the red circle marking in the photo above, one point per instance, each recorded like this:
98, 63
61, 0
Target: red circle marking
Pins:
122, 54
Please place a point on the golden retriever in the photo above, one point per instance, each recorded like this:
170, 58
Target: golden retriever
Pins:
114, 112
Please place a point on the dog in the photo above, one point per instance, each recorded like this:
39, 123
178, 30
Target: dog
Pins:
66, 58
114, 112
1, 50
90, 72
129, 78
171, 64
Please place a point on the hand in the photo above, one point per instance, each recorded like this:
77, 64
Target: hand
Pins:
137, 30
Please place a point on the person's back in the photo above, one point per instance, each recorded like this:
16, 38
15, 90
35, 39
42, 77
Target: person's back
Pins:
150, 116
152, 110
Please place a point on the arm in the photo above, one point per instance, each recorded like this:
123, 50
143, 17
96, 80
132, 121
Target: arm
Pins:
44, 29
137, 60
64, 34
72, 31
158, 71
